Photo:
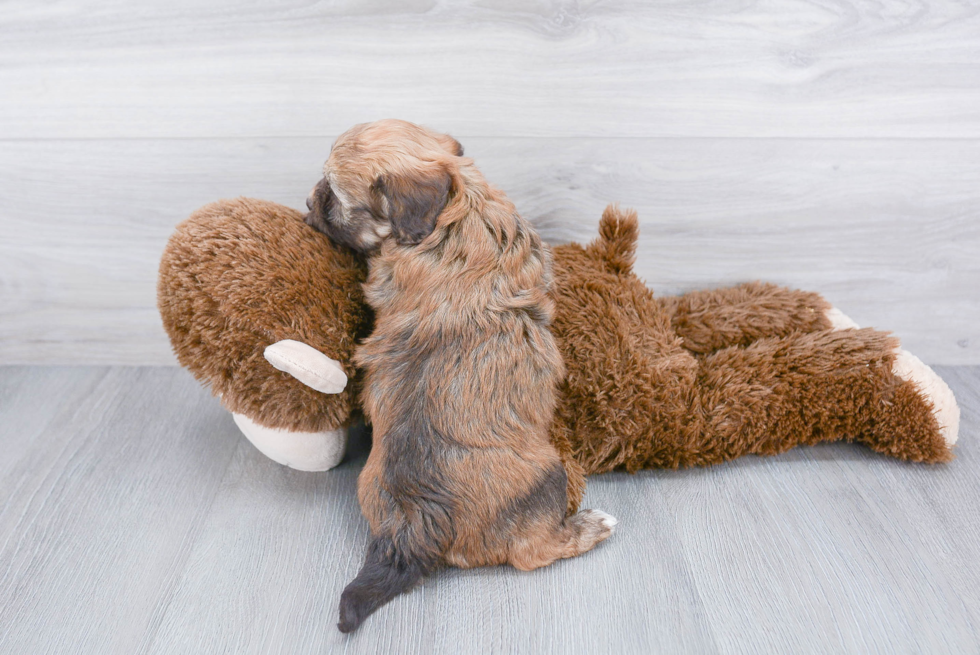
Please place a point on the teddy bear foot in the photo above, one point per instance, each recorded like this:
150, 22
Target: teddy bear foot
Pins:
303, 451
909, 367
839, 320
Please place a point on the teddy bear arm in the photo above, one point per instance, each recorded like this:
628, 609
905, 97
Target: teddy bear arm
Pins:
710, 320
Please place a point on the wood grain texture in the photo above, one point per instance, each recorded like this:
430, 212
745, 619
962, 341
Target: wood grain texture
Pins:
102, 497
888, 230
565, 68
135, 520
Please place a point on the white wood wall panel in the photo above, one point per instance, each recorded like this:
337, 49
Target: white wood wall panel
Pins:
887, 230
824, 68
827, 144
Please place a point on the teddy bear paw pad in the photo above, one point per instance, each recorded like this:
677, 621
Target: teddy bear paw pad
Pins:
909, 367
839, 320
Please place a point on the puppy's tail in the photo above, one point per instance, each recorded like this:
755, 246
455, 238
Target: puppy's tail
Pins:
619, 230
385, 574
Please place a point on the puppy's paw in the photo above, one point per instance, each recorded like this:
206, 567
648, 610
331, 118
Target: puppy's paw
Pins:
607, 520
598, 525
839, 320
909, 367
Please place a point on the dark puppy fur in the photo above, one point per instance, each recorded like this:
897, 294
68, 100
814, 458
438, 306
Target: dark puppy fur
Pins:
460, 371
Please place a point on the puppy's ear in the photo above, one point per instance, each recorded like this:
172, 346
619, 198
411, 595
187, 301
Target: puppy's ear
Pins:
453, 146
413, 202
319, 203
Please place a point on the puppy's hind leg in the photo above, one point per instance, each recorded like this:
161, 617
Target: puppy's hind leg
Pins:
574, 535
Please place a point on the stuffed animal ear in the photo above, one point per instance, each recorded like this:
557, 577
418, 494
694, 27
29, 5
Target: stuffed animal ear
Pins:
413, 201
619, 230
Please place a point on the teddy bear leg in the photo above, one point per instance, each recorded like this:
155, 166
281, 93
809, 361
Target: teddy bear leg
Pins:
910, 368
304, 451
933, 389
710, 320
839, 320
807, 388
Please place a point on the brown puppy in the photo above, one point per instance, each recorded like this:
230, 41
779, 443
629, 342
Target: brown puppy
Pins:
460, 371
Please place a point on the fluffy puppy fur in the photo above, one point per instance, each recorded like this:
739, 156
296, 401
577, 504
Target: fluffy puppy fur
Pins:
460, 371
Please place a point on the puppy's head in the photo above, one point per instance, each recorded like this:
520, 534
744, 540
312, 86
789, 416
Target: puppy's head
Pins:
385, 180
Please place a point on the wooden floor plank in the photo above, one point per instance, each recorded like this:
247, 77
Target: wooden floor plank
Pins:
102, 503
135, 519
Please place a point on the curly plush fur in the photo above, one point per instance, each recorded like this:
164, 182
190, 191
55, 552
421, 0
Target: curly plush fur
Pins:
706, 377
651, 382
239, 275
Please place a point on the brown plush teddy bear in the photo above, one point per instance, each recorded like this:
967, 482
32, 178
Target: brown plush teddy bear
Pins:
267, 311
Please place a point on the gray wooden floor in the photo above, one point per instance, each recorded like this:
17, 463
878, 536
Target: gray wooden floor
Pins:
134, 518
